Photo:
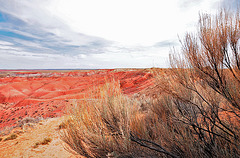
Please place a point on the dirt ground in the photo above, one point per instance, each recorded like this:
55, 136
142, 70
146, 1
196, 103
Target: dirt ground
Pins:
23, 145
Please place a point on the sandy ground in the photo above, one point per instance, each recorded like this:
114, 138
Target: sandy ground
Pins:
23, 145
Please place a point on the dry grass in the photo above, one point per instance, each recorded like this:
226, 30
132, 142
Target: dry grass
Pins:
11, 137
101, 125
115, 124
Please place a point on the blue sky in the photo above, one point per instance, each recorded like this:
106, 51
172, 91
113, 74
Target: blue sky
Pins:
93, 34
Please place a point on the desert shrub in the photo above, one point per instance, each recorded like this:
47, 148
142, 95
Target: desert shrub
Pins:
36, 144
111, 124
204, 88
101, 125
62, 125
198, 116
11, 137
45, 141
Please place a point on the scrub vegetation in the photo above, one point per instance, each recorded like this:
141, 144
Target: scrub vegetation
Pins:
11, 137
194, 113
45, 141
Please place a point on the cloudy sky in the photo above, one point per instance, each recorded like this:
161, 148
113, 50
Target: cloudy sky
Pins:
95, 34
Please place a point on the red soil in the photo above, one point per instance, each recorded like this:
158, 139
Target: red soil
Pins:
42, 94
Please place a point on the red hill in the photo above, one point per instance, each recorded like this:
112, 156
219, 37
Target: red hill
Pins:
46, 94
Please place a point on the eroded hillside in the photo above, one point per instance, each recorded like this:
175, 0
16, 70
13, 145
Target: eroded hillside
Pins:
46, 94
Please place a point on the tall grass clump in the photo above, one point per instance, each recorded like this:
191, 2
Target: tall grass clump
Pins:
100, 126
110, 124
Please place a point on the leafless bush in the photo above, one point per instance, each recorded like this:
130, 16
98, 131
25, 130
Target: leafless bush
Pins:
204, 85
199, 114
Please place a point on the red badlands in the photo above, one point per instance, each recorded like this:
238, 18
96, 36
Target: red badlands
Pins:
46, 94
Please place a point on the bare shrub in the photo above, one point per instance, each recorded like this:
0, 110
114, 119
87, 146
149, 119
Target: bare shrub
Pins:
204, 86
199, 114
45, 141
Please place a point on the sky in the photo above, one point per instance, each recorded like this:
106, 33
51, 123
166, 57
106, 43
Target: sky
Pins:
96, 34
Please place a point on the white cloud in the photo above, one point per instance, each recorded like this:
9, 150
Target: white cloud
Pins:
29, 43
39, 19
129, 22
96, 34
8, 47
142, 22
5, 43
